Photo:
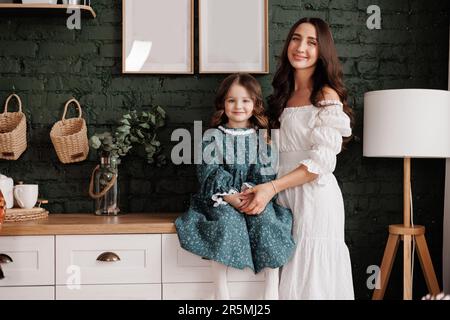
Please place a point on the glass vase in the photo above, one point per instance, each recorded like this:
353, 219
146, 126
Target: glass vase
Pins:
105, 186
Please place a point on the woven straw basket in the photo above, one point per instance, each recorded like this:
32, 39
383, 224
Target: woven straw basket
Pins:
13, 132
69, 137
15, 214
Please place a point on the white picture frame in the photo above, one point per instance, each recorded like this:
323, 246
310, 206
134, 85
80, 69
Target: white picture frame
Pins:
158, 36
233, 36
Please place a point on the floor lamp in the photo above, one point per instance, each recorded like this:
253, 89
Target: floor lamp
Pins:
407, 123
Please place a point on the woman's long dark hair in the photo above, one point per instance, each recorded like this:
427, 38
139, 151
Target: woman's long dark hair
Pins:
328, 72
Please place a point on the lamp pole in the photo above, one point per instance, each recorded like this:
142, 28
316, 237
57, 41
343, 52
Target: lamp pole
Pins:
406, 232
407, 283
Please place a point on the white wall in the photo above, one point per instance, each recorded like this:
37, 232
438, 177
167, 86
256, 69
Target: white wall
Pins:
446, 247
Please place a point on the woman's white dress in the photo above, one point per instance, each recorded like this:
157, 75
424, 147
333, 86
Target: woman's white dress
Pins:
320, 267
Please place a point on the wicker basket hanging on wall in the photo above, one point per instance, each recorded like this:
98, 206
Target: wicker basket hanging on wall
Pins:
13, 131
69, 137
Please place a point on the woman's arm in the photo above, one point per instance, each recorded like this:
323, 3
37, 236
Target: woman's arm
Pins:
326, 138
296, 177
256, 198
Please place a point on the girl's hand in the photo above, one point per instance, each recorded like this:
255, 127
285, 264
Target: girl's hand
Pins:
245, 200
256, 199
234, 200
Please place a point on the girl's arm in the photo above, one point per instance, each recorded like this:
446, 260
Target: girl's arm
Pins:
215, 182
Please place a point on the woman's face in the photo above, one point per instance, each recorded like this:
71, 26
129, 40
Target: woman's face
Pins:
303, 50
238, 107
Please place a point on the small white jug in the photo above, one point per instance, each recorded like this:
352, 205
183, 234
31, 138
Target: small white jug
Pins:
7, 187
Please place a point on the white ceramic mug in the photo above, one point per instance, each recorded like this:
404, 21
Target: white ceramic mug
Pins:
26, 195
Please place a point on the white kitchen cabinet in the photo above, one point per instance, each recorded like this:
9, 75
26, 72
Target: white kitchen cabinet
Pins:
134, 258
27, 293
134, 266
110, 292
205, 291
179, 265
33, 260
188, 276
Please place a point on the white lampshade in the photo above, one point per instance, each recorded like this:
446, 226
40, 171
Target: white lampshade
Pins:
407, 123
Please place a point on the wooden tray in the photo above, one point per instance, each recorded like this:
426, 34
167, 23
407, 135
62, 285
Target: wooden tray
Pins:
16, 214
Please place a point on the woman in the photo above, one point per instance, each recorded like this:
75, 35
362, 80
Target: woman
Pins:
309, 107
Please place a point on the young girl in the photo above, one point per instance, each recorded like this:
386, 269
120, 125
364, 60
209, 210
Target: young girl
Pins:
309, 105
212, 227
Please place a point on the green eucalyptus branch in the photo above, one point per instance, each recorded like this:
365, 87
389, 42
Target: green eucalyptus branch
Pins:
135, 129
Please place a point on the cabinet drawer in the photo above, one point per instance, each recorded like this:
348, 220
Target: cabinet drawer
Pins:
110, 292
76, 259
180, 265
33, 260
205, 291
27, 293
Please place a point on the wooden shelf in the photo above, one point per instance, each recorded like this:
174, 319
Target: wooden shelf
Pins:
42, 7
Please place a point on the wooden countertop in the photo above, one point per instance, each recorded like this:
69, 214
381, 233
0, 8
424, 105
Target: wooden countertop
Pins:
61, 224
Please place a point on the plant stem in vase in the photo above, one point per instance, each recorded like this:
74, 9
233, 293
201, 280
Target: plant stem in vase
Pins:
105, 188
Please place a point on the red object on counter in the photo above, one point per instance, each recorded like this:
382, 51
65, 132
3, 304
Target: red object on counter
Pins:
2, 208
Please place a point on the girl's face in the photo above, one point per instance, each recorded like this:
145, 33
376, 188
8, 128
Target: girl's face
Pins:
238, 107
303, 50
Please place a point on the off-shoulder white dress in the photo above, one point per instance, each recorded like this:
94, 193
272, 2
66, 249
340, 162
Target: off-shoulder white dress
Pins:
320, 268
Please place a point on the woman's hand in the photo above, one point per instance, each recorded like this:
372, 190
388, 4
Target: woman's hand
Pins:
256, 199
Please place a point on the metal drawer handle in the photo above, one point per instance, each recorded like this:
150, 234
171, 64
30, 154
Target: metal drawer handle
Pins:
4, 258
108, 257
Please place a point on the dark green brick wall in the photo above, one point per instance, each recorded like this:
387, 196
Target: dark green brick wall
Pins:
46, 64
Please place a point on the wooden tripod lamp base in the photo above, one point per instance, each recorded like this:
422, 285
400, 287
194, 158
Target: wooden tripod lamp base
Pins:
406, 232
396, 233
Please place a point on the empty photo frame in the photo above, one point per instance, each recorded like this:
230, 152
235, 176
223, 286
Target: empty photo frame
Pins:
158, 36
233, 36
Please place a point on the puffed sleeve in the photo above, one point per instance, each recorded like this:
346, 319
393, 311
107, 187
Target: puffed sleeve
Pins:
215, 182
328, 126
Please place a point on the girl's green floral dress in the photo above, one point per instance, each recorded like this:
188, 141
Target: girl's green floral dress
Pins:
213, 229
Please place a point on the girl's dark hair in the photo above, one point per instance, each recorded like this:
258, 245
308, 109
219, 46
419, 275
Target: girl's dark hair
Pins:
259, 118
328, 72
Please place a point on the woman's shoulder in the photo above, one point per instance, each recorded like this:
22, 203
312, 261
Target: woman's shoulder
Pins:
329, 99
329, 94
